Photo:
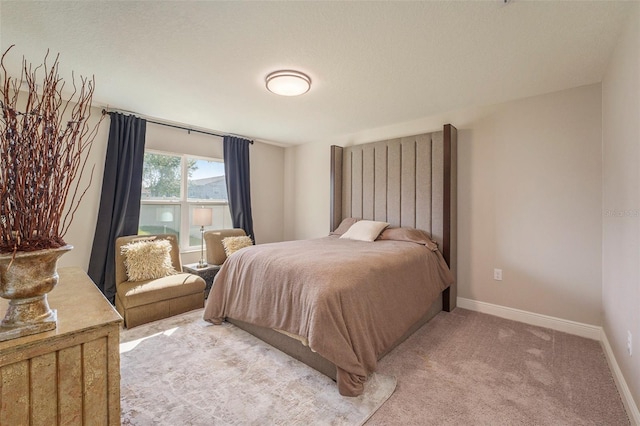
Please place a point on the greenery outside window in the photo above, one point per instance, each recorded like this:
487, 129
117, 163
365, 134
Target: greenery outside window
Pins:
172, 186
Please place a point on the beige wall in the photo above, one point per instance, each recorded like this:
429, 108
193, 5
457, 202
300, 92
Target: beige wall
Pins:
267, 193
307, 194
529, 200
530, 204
80, 234
621, 202
267, 183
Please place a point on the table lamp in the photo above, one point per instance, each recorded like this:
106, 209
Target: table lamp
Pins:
202, 217
165, 218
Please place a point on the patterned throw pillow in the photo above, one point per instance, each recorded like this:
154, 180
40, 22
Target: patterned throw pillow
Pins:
233, 244
147, 260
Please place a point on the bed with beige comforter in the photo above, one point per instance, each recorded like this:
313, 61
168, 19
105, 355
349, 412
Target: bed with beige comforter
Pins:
348, 300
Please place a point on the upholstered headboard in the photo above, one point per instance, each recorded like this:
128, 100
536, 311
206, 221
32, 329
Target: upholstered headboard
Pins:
409, 181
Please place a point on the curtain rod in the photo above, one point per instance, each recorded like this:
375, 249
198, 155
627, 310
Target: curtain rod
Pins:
188, 129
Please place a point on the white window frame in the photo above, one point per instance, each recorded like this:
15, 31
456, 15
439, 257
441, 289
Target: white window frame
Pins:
183, 202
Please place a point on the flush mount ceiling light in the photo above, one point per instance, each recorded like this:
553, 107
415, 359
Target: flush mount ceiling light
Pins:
288, 83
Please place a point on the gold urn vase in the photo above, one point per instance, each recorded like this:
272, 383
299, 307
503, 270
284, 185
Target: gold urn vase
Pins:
25, 279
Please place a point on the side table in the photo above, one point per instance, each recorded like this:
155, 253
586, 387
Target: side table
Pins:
208, 273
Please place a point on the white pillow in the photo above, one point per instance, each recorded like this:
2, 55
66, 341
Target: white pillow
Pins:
365, 230
344, 226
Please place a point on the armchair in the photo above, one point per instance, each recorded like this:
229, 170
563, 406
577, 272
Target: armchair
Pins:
213, 240
139, 302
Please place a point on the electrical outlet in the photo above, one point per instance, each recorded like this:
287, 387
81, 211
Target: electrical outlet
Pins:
497, 274
629, 342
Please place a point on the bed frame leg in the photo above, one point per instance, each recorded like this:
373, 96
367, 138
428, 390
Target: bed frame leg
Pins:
449, 299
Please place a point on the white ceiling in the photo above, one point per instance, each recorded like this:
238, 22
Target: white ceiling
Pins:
372, 64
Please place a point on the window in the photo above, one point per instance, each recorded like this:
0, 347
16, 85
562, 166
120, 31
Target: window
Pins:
172, 186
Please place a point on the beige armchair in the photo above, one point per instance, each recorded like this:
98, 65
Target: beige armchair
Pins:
215, 250
140, 302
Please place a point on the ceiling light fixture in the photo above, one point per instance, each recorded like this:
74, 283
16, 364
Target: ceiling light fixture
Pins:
288, 83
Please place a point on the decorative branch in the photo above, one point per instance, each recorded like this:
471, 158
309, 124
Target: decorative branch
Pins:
44, 148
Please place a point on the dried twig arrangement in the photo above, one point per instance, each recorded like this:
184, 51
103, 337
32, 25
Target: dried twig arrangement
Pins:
44, 146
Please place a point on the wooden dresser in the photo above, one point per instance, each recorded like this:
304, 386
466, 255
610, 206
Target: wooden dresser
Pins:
67, 376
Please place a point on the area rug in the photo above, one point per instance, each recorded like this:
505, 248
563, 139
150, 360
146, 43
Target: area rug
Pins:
185, 371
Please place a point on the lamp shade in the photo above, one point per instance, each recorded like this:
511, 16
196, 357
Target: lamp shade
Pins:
202, 217
166, 217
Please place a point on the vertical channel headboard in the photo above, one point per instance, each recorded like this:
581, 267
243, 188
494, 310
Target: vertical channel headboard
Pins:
409, 181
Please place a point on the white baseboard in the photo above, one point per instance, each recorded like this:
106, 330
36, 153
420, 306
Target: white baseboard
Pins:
558, 324
625, 393
566, 326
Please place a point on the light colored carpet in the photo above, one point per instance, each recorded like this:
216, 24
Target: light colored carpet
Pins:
185, 371
468, 368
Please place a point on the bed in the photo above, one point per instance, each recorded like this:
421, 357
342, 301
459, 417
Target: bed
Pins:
339, 304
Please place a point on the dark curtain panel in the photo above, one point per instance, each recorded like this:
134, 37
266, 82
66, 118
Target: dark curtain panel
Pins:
120, 199
236, 165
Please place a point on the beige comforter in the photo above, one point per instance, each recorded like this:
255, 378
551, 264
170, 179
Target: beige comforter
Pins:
349, 299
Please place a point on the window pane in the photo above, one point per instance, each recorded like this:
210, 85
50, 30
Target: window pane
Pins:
221, 220
161, 177
159, 219
206, 180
